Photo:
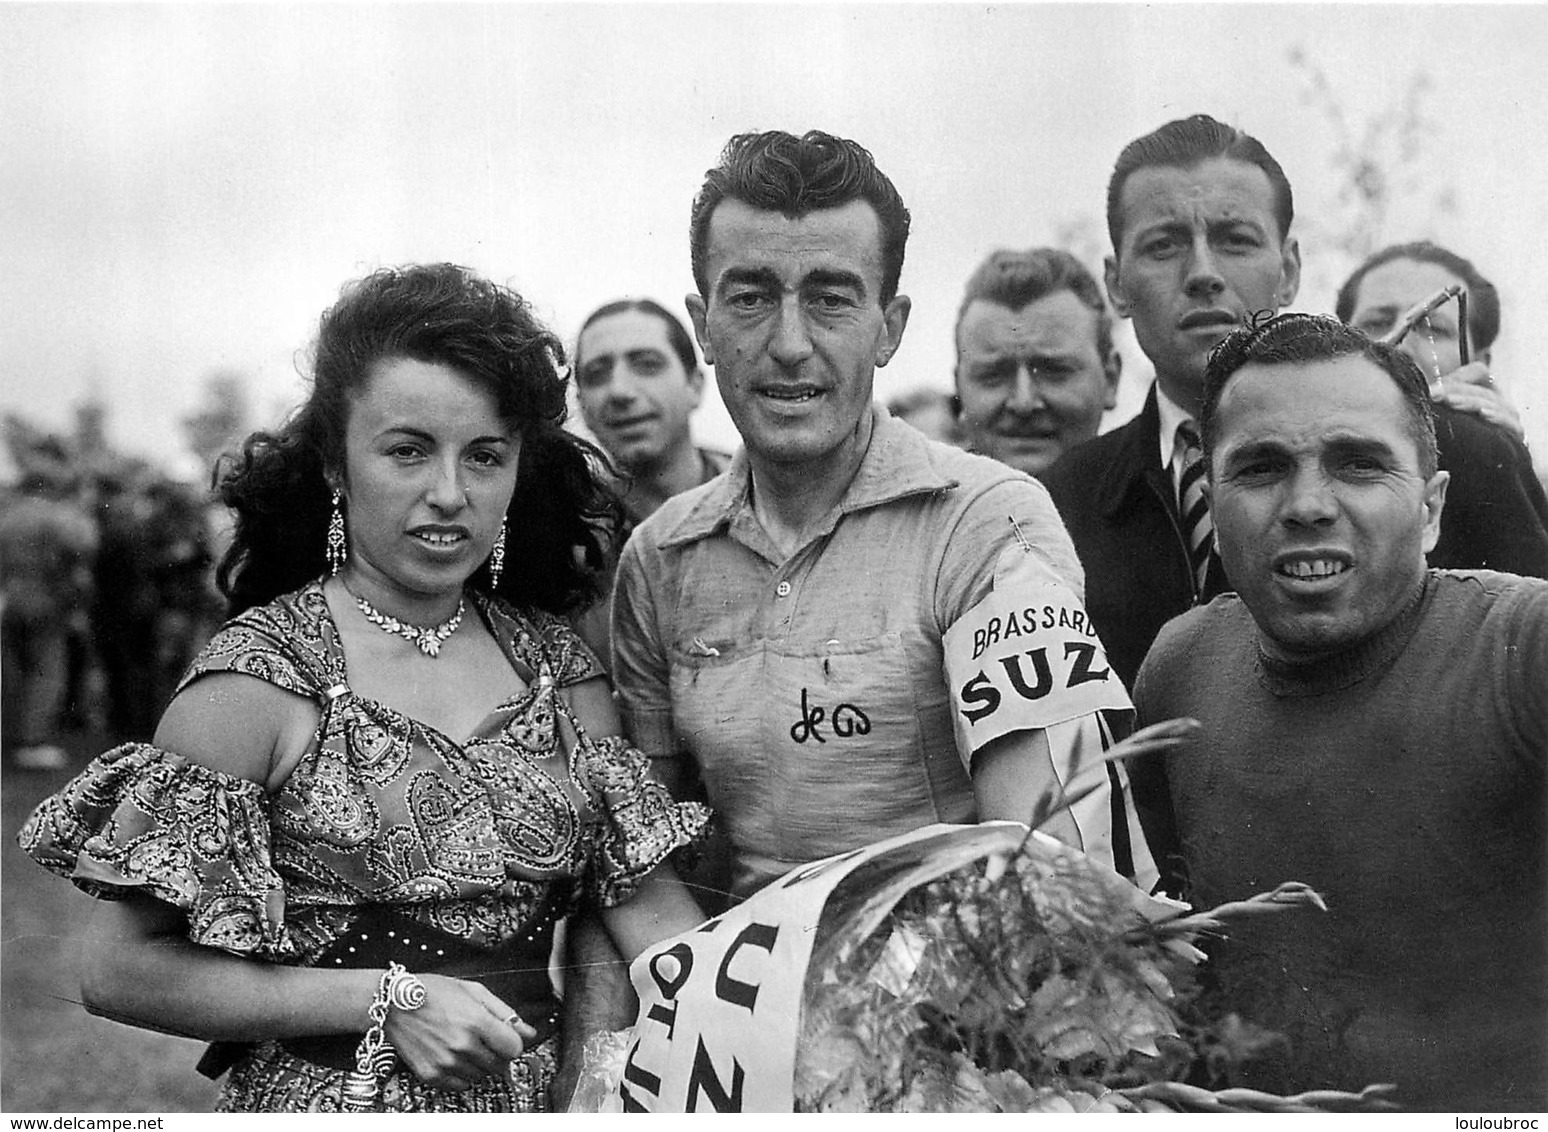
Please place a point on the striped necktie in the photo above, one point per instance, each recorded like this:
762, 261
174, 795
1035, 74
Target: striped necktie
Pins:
1191, 505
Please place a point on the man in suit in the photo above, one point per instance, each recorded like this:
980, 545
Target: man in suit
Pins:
1199, 214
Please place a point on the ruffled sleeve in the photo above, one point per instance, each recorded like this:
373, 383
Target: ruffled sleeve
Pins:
141, 819
639, 824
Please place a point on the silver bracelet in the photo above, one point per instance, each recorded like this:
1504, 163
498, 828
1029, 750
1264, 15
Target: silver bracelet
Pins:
374, 1056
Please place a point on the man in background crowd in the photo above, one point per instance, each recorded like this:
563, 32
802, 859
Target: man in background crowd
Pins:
47, 543
638, 382
1398, 277
1036, 367
1199, 215
1496, 511
154, 603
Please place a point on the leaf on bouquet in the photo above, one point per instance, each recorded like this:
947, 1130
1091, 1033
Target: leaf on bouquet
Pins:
1010, 1091
1105, 1017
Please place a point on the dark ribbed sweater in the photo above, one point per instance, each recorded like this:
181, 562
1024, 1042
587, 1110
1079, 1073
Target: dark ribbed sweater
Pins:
1404, 780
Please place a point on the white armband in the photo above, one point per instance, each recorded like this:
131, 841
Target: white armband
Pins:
1025, 657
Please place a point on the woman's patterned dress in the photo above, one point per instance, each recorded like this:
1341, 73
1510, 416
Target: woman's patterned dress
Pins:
466, 853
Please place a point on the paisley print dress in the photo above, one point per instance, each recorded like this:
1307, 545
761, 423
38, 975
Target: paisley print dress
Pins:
464, 853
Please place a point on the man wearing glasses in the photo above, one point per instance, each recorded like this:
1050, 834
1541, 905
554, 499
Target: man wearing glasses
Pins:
1496, 510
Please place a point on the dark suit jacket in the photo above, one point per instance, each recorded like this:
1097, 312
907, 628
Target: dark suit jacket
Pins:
1120, 505
1496, 515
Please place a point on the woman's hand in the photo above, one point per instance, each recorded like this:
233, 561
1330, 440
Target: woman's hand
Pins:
462, 1034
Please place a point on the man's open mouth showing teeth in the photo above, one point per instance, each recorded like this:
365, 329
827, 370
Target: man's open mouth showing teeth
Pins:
1313, 568
790, 393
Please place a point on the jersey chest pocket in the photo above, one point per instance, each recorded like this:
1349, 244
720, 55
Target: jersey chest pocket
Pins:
814, 750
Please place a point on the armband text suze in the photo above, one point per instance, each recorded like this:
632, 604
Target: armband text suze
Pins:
984, 692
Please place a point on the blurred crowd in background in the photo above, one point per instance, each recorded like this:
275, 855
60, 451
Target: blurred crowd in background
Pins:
107, 578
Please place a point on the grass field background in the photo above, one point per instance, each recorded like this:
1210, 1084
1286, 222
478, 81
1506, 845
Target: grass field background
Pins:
54, 1057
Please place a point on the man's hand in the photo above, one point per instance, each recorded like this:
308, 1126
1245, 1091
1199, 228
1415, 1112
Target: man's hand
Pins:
1472, 390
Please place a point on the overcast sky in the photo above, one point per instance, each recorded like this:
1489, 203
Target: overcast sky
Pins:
184, 188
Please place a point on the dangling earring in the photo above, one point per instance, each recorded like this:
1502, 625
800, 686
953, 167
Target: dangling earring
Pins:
336, 547
497, 559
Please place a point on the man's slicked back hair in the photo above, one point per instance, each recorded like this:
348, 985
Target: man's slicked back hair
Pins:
778, 172
1303, 339
1183, 144
1483, 301
1014, 279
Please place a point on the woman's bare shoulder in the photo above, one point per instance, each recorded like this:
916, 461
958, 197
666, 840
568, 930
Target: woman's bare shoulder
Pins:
239, 725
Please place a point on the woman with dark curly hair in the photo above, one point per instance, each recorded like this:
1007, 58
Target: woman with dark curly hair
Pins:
396, 769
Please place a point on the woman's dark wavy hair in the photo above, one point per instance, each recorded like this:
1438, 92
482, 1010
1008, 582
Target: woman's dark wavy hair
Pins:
562, 519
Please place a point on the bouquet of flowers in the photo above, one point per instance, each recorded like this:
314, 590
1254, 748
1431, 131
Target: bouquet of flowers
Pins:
1031, 981
955, 969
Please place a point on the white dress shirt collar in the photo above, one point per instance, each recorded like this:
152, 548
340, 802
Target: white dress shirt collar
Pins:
1172, 415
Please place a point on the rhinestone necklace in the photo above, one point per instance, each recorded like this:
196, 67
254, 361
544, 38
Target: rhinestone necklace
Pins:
427, 639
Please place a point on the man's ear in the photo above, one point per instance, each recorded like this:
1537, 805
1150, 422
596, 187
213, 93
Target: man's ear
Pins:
1434, 504
1289, 272
894, 321
1114, 290
697, 314
1112, 369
